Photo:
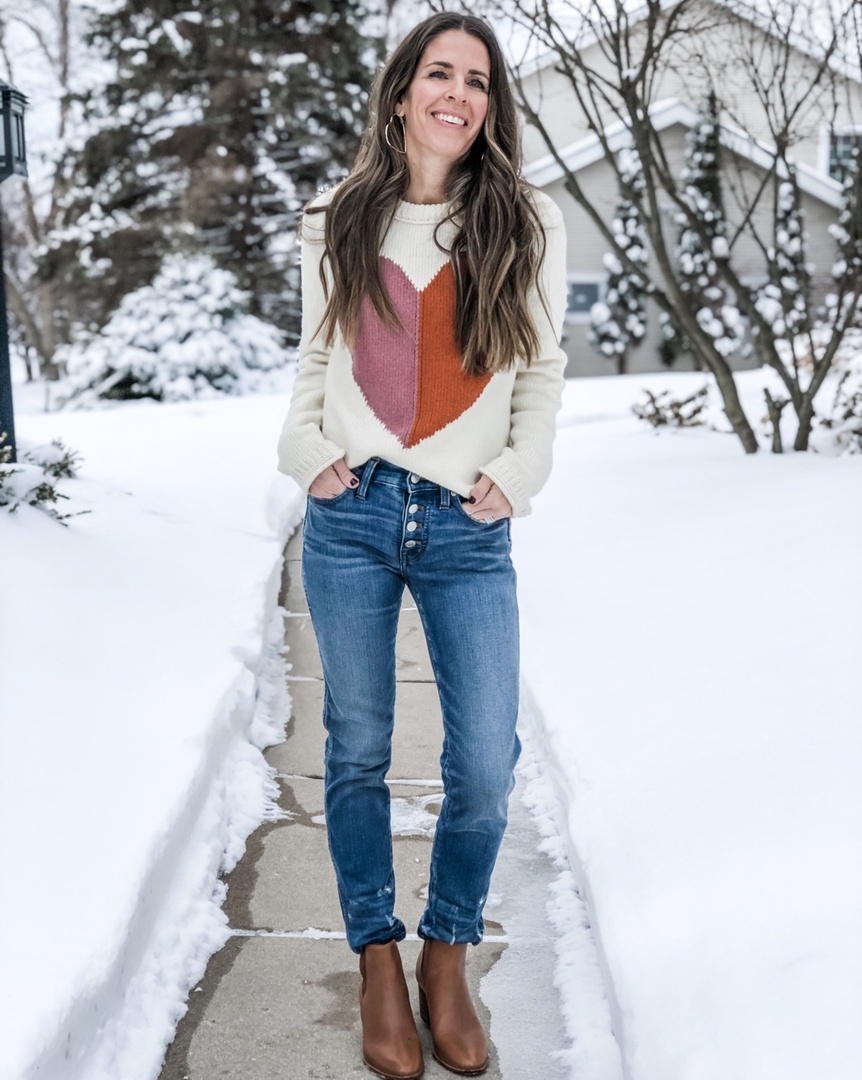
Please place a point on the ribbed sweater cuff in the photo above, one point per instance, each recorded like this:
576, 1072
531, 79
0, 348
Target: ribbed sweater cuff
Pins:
507, 472
307, 461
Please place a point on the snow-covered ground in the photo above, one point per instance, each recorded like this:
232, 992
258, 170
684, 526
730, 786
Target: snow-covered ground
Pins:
140, 674
692, 622
692, 628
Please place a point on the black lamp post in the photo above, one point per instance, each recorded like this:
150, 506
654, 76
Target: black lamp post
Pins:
13, 160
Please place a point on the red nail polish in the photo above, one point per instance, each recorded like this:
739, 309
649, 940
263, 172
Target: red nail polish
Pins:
472, 499
354, 482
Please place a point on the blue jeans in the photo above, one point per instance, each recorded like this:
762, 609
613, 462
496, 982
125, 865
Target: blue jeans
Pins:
359, 551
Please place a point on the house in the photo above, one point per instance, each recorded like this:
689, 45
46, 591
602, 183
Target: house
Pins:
826, 132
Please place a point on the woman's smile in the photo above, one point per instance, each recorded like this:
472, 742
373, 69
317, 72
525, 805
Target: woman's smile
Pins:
449, 119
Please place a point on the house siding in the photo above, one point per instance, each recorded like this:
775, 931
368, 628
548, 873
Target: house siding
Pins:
587, 247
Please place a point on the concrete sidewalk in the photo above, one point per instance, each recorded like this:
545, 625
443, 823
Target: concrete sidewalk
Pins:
280, 1000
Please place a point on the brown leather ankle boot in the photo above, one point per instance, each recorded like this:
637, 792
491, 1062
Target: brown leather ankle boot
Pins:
390, 1041
446, 1007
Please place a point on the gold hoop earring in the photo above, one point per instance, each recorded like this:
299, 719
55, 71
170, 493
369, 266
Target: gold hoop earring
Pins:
389, 143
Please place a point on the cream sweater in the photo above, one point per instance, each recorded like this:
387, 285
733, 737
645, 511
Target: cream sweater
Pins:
402, 396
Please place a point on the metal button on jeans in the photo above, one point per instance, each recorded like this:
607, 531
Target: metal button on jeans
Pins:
415, 478
413, 508
411, 543
412, 526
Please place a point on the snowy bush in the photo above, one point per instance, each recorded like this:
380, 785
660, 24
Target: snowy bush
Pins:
31, 482
664, 410
186, 335
843, 420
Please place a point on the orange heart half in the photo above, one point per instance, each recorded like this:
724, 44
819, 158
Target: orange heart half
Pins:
412, 378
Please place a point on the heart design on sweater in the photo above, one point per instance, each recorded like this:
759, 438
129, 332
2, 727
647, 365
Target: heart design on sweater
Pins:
412, 378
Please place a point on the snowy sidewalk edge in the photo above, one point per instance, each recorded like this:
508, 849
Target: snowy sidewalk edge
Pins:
121, 1026
548, 796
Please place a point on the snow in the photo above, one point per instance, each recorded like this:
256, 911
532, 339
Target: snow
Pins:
141, 675
593, 1053
691, 629
691, 626
410, 815
611, 263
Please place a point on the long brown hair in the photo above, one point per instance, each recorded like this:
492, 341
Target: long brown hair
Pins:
498, 250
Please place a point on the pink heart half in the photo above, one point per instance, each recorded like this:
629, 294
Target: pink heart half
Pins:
412, 379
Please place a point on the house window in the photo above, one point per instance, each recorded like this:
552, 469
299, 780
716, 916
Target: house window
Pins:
841, 146
583, 293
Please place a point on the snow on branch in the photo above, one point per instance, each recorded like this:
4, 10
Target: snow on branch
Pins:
33, 480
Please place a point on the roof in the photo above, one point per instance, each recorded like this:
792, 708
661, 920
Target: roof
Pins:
665, 114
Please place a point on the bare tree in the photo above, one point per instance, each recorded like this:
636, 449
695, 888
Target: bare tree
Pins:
619, 60
764, 64
41, 30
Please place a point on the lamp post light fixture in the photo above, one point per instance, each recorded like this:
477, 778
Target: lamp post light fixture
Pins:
13, 162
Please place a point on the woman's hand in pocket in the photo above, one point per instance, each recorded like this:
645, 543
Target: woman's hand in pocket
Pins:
488, 501
333, 480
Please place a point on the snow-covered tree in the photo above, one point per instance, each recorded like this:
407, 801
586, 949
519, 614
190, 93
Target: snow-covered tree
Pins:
619, 322
188, 334
43, 54
803, 351
842, 417
219, 120
788, 269
700, 250
783, 301
848, 229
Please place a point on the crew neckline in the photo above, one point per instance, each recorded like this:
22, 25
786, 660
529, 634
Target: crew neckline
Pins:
420, 212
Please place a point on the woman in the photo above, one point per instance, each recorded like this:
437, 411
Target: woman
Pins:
422, 418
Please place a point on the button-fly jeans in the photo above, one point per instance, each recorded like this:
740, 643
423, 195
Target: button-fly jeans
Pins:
359, 551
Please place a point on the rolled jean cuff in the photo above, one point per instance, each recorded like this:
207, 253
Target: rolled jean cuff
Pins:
450, 924
396, 932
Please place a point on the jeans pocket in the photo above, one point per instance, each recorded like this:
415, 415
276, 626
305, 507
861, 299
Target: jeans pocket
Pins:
318, 501
459, 502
